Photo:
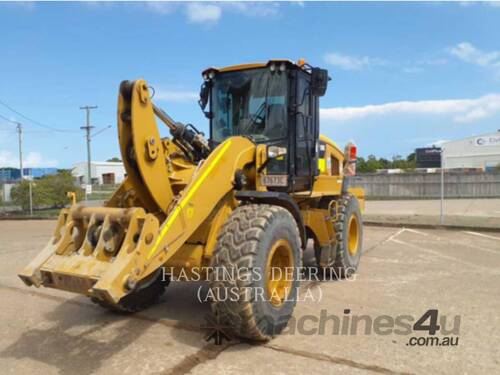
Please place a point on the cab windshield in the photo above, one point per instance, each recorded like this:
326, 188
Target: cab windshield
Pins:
250, 103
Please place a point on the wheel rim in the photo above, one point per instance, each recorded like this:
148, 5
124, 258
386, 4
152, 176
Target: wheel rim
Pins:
353, 235
279, 272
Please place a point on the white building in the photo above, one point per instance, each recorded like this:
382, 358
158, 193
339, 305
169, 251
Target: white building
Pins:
5, 190
102, 172
481, 151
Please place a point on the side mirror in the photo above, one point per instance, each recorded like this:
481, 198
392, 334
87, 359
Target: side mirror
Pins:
204, 91
319, 81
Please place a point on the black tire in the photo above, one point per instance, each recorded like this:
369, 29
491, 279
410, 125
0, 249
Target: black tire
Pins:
140, 299
244, 244
346, 260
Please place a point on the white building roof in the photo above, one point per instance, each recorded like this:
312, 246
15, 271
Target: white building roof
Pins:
488, 139
102, 163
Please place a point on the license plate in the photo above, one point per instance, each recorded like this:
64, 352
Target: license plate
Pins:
276, 180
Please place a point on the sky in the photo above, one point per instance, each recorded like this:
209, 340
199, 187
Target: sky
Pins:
404, 75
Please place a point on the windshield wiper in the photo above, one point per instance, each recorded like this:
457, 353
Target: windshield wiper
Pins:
256, 116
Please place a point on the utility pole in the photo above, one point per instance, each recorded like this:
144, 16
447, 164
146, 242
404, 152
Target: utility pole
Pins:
19, 128
31, 198
441, 206
87, 129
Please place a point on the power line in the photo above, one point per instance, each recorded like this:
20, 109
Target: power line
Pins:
11, 130
6, 119
34, 121
19, 131
100, 131
5, 123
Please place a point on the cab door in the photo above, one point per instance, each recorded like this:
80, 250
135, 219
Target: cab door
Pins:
306, 134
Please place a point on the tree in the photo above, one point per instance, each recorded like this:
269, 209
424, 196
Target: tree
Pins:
369, 165
48, 191
57, 186
114, 159
361, 165
400, 163
20, 195
372, 163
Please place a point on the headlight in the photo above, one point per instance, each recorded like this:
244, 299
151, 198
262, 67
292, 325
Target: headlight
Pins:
272, 67
211, 75
274, 151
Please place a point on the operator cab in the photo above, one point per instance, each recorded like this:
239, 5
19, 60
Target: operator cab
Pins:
277, 104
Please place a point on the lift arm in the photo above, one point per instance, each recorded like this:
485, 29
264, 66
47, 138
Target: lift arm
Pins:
213, 180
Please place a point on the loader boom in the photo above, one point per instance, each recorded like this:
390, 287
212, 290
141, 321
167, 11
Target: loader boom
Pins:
209, 184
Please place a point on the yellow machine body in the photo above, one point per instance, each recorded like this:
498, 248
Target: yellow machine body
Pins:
169, 210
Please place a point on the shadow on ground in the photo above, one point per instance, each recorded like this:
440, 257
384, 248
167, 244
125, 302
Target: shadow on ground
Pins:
78, 338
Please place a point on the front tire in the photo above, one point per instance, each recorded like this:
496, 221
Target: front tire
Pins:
255, 240
140, 299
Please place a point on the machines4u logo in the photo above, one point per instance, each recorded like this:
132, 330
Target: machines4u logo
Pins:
429, 329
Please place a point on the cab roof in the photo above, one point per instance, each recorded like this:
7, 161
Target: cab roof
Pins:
232, 68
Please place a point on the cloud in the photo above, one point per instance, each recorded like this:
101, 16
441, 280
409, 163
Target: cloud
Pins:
26, 5
203, 13
413, 69
212, 12
251, 8
470, 54
197, 12
422, 65
462, 110
30, 160
432, 62
471, 3
347, 62
177, 96
160, 7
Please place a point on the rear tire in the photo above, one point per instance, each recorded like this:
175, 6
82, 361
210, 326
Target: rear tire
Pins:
349, 236
255, 239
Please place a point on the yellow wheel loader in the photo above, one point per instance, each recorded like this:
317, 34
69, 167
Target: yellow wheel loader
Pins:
247, 199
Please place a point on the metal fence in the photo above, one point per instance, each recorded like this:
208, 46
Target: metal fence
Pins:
377, 186
428, 185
